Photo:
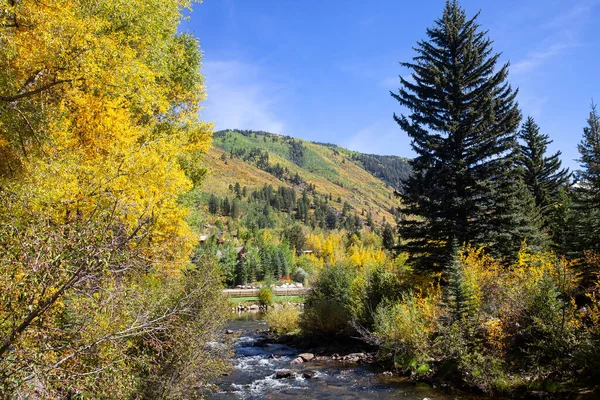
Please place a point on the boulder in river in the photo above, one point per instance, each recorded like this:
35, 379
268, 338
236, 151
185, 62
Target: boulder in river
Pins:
308, 374
297, 360
228, 332
306, 356
283, 374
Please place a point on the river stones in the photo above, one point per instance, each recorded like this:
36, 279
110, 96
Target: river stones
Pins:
283, 374
297, 360
354, 357
308, 374
228, 332
306, 356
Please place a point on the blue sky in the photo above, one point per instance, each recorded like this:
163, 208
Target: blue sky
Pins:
322, 70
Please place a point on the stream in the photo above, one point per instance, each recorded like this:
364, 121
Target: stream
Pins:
254, 374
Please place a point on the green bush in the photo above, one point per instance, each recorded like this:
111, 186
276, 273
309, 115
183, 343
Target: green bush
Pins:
265, 296
300, 276
283, 319
382, 285
328, 308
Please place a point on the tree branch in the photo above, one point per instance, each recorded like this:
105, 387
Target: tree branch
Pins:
15, 98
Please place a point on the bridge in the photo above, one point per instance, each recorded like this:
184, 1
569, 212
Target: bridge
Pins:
277, 291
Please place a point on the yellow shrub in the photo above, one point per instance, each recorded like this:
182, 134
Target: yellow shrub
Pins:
283, 319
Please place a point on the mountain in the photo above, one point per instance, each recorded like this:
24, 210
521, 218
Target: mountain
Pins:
254, 159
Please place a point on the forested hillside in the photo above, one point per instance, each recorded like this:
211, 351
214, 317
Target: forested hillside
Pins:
341, 176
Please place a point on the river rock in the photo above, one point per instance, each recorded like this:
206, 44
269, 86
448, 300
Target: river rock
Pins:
309, 374
354, 357
283, 374
228, 332
306, 356
297, 360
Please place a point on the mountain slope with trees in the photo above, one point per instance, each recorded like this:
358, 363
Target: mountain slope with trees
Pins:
254, 159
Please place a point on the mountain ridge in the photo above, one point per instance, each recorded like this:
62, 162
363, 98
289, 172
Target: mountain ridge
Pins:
365, 182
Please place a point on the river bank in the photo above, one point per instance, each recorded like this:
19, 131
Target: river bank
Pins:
269, 365
266, 366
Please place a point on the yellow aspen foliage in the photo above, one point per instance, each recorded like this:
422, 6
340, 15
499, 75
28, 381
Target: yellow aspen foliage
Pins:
481, 273
314, 242
99, 138
361, 256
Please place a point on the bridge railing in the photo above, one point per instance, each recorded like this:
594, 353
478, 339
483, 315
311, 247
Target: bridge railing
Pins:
277, 291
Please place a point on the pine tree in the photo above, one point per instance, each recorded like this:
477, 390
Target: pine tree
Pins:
235, 208
388, 237
587, 190
213, 204
463, 121
225, 207
458, 298
542, 174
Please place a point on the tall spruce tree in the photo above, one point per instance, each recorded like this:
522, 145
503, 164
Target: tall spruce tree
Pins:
463, 121
542, 174
587, 190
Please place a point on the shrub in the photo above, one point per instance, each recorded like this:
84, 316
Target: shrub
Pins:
283, 319
403, 329
300, 276
382, 284
265, 296
328, 308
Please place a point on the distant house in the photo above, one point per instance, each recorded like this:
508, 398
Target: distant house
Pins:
303, 252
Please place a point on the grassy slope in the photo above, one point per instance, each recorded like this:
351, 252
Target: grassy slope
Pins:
331, 170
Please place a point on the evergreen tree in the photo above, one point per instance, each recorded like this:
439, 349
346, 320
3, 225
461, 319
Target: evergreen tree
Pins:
388, 237
235, 208
331, 219
370, 222
277, 264
226, 206
587, 190
266, 264
295, 237
458, 295
213, 204
542, 174
241, 272
463, 121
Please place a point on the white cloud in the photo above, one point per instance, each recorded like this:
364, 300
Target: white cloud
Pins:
380, 138
241, 95
567, 19
537, 59
563, 32
391, 83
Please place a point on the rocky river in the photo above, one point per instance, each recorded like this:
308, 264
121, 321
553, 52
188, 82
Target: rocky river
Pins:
267, 371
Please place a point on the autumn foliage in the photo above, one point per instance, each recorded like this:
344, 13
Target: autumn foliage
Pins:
99, 138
